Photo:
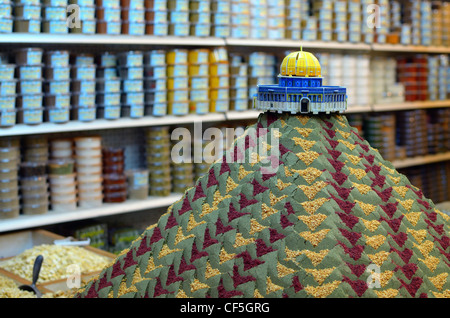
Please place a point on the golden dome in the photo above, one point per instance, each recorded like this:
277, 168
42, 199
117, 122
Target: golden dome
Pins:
300, 63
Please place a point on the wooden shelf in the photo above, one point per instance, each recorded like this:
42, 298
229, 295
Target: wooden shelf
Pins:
410, 48
107, 209
410, 105
421, 160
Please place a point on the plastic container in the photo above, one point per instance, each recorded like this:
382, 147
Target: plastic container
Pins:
35, 199
133, 111
84, 87
88, 186
55, 26
63, 197
87, 152
108, 27
6, 25
88, 142
9, 213
117, 179
91, 202
86, 27
108, 112
7, 71
31, 116
27, 25
115, 197
86, 161
90, 194
95, 169
89, 178
33, 209
85, 114
9, 193
29, 71
158, 29
61, 180
61, 166
7, 102
83, 100
9, 183
61, 206
32, 169
27, 11
29, 101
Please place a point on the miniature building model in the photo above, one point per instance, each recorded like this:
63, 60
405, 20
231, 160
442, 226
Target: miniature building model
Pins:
300, 89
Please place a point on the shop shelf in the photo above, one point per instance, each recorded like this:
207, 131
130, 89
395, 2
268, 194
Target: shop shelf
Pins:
411, 105
107, 209
421, 160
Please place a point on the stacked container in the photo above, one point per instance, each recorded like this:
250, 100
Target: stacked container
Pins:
83, 87
108, 84
182, 176
131, 71
219, 80
340, 32
323, 12
177, 82
8, 88
6, 16
88, 156
34, 198
354, 25
156, 17
54, 17
293, 19
87, 20
9, 176
158, 155
107, 88
108, 15
437, 77
133, 17
57, 87
258, 19
239, 98
276, 19
178, 17
309, 28
411, 16
198, 71
379, 130
412, 72
27, 16
412, 132
155, 83
29, 73
384, 86
220, 18
61, 169
138, 184
261, 70
426, 22
114, 178
33, 182
240, 19
200, 17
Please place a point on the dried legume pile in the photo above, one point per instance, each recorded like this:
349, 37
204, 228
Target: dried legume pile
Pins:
56, 261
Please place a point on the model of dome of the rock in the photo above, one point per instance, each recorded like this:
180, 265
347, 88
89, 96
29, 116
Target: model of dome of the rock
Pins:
334, 219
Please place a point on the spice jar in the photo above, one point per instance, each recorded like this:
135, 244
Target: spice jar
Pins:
32, 169
61, 166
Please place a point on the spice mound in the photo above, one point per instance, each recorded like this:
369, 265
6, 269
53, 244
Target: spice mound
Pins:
57, 260
9, 289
